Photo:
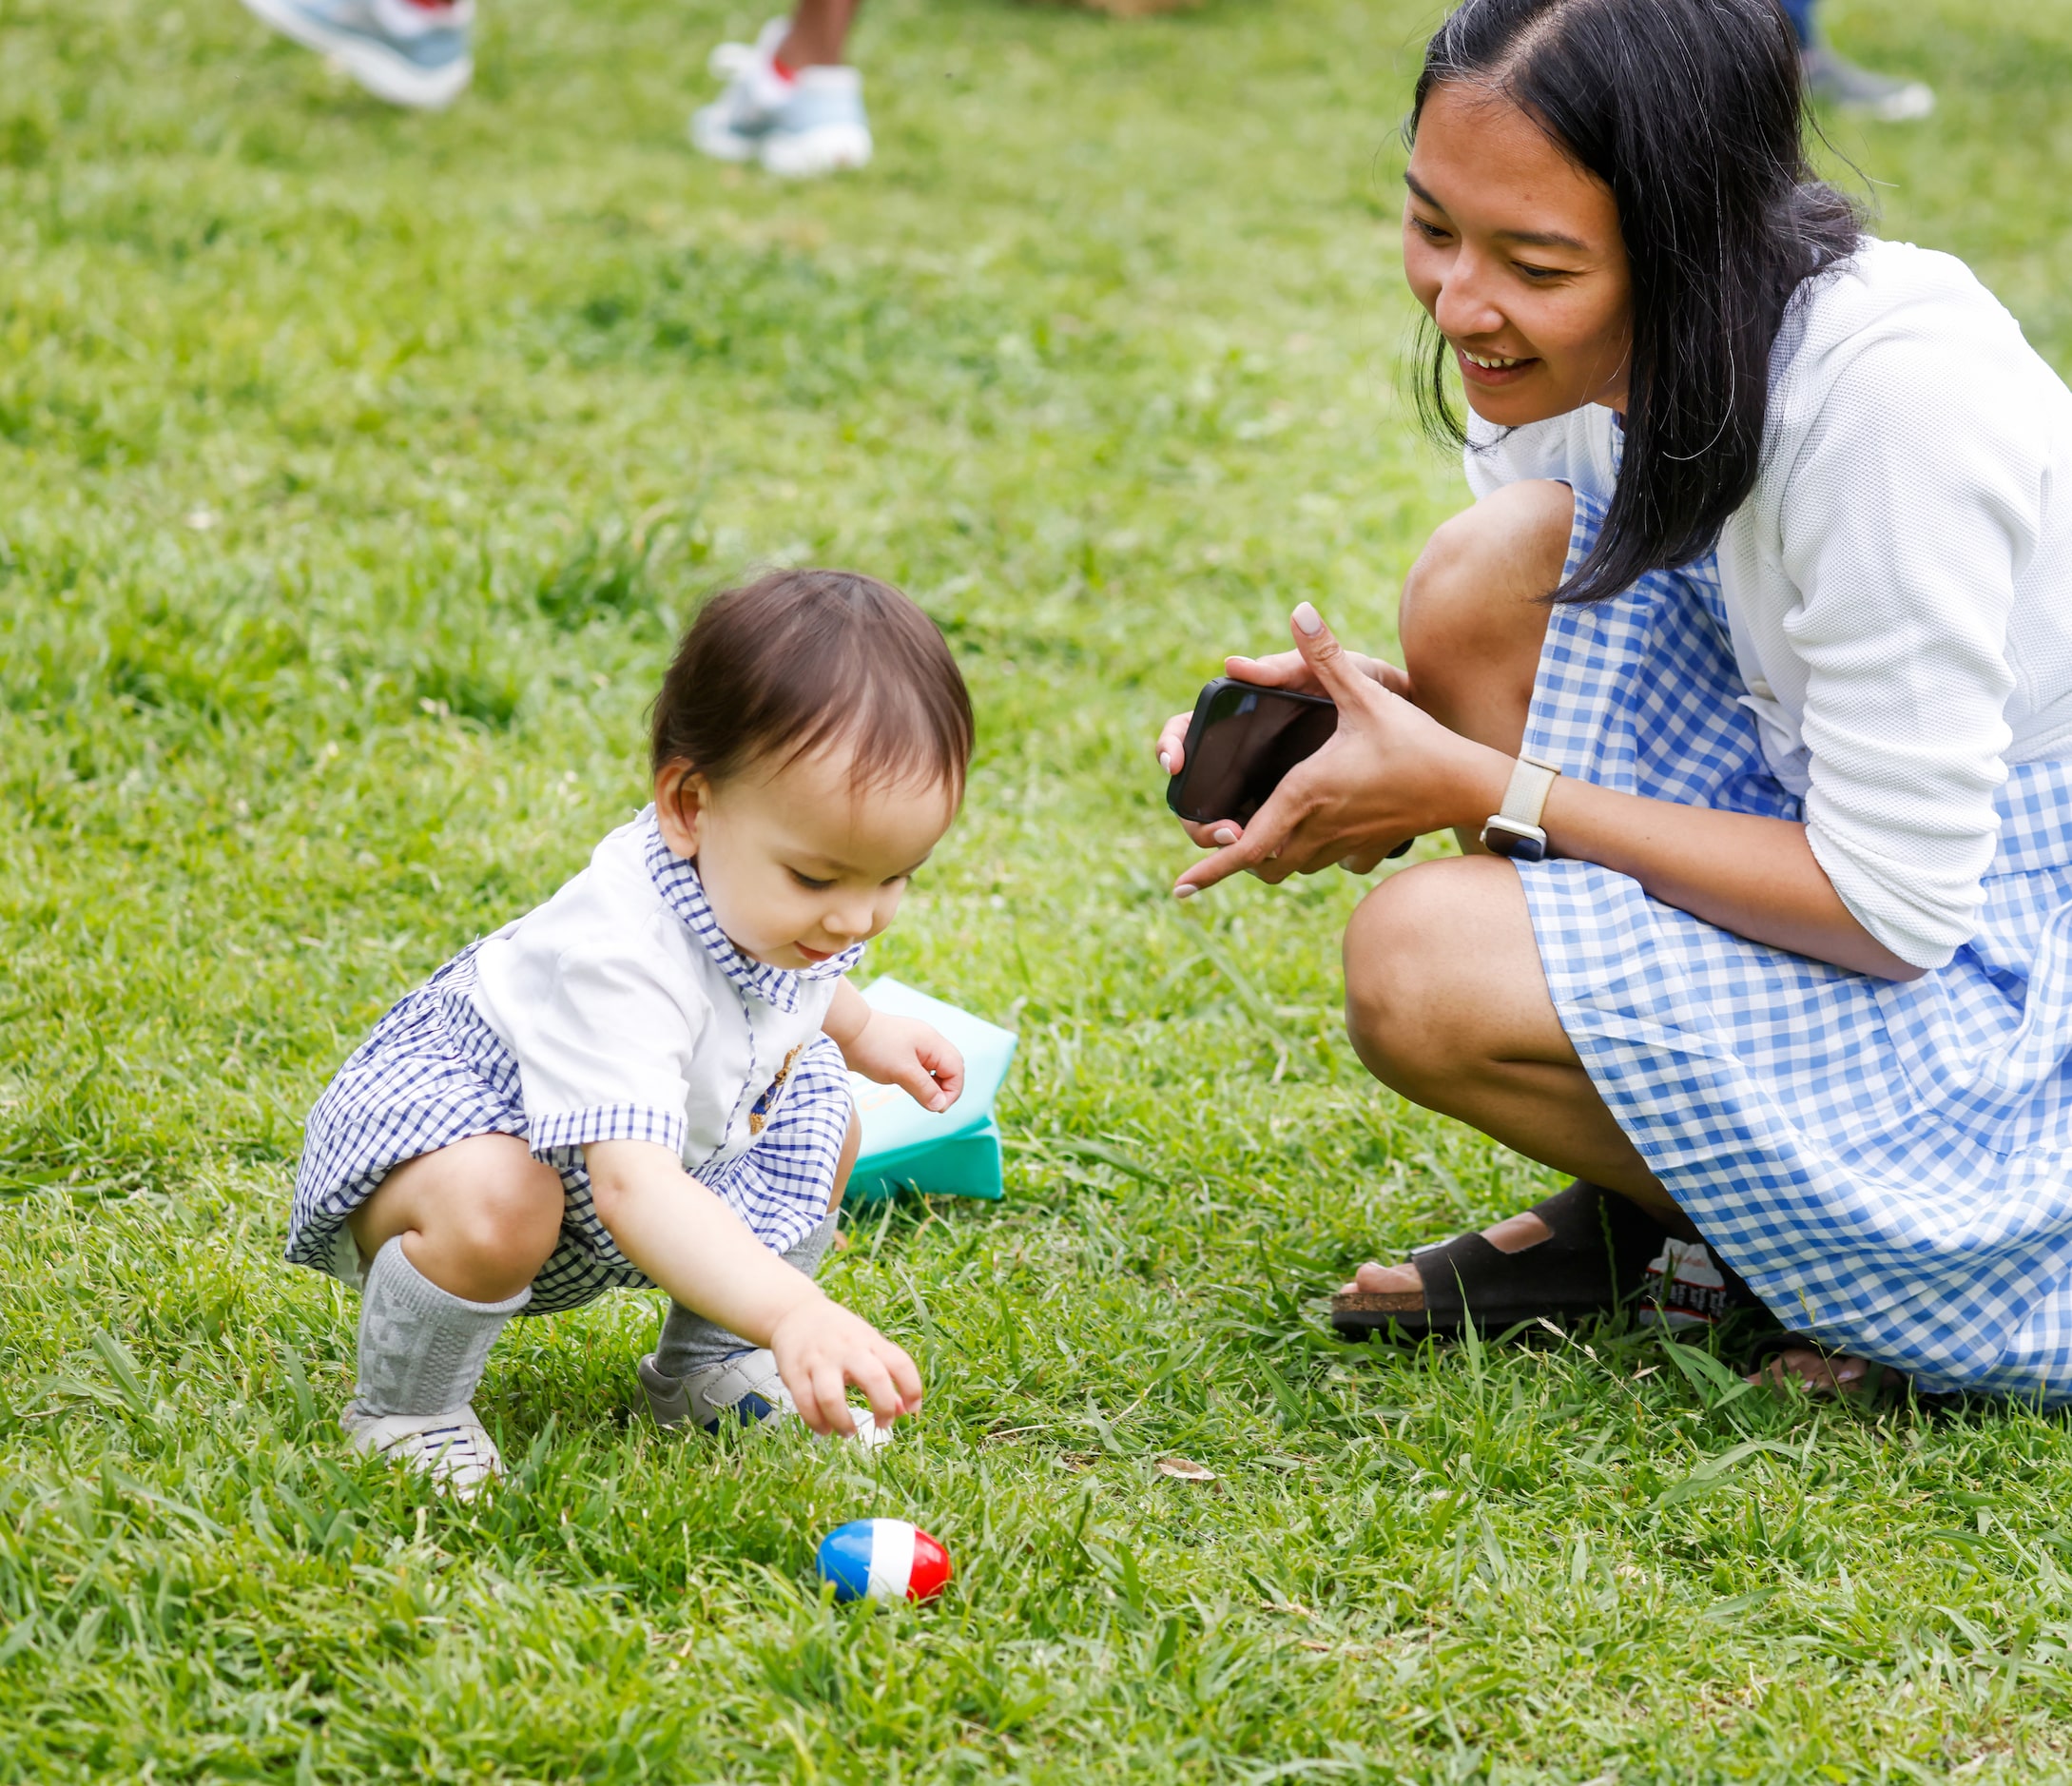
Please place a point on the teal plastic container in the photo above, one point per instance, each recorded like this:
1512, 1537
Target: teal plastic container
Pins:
906, 1148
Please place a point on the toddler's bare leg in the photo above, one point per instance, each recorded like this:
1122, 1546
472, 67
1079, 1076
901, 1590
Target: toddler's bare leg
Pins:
479, 1219
453, 1238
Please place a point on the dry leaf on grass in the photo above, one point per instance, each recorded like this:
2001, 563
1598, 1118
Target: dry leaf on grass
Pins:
1184, 1470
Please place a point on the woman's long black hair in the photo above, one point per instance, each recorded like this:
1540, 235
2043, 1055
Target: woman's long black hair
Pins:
1691, 112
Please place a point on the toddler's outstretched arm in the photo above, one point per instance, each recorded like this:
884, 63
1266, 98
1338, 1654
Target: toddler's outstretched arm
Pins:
901, 1051
699, 1251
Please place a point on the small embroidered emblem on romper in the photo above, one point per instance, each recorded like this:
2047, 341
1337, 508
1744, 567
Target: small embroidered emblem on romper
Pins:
760, 1114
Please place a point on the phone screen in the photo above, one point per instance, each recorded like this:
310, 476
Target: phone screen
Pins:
1241, 741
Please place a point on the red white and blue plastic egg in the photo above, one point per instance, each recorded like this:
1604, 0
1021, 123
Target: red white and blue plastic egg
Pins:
883, 1560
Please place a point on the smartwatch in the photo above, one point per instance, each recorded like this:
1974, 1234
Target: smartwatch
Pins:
1513, 829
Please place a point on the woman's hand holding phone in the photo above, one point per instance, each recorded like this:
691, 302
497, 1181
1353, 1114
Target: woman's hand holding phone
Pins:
1389, 773
1277, 670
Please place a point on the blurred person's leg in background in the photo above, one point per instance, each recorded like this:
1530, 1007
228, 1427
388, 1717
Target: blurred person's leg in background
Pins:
1837, 81
791, 103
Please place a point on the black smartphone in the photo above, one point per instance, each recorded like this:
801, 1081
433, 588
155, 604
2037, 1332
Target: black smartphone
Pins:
1242, 740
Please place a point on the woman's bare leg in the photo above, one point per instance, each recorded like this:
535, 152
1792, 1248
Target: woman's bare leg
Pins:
1446, 999
1446, 1002
1474, 618
1474, 610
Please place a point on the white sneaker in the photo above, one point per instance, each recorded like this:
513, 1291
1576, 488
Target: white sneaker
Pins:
744, 1389
454, 1449
813, 122
730, 126
404, 53
820, 127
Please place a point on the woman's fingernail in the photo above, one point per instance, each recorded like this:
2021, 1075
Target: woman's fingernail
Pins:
1165, 762
1308, 621
1184, 891
1222, 834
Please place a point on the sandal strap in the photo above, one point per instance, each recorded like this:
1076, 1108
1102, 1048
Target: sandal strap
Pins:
1597, 1248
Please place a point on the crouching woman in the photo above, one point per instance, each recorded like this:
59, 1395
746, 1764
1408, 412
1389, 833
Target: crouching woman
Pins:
1748, 683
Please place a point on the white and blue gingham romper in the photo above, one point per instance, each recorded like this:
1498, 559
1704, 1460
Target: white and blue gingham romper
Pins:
1890, 1166
434, 1073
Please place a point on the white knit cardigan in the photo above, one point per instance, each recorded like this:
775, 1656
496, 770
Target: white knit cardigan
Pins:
1899, 583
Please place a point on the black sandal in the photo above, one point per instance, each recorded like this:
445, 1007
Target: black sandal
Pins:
1603, 1249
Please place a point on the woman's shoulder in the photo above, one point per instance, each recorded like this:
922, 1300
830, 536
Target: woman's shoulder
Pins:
1893, 302
1881, 274
1901, 356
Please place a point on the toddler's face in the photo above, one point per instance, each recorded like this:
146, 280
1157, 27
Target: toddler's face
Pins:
796, 863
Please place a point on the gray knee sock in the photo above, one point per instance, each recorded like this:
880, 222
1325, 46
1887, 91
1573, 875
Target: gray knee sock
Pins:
690, 1343
421, 1348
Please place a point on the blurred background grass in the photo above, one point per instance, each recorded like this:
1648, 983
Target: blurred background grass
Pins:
359, 469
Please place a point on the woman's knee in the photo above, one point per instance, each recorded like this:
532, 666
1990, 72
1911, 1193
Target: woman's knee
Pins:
1474, 600
1428, 956
1394, 949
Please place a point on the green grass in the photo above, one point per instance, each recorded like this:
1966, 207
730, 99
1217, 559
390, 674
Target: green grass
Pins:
357, 469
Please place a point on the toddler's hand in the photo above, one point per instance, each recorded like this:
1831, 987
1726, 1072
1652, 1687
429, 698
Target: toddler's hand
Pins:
914, 1055
821, 1349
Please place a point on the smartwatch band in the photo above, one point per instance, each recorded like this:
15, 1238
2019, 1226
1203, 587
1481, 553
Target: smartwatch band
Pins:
1514, 829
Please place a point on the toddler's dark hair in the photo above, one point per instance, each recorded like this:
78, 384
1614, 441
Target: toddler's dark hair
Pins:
798, 659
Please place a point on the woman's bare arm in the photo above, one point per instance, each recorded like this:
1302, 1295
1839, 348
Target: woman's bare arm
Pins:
1392, 772
1756, 877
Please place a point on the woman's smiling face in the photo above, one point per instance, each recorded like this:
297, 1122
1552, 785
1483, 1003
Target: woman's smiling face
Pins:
1516, 254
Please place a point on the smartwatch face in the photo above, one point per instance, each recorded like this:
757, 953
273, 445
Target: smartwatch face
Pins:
1520, 842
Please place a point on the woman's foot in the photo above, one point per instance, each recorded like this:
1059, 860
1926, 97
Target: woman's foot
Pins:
1583, 1252
1514, 1234
1828, 1374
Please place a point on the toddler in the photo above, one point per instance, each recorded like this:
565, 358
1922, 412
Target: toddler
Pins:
640, 1082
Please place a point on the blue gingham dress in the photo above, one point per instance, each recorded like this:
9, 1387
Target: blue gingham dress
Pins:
1890, 1166
434, 1073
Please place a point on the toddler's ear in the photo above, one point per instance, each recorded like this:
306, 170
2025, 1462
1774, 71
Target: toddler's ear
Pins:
681, 796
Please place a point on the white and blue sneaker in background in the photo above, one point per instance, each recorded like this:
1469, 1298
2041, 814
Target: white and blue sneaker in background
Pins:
807, 123
399, 50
